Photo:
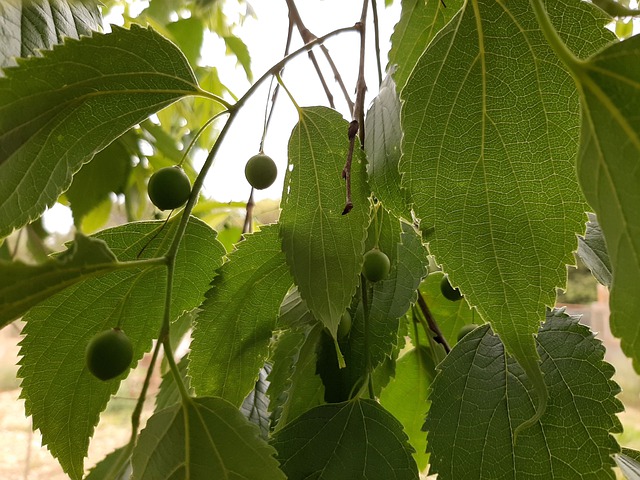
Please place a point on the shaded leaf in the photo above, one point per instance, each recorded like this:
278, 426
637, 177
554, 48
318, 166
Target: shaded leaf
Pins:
168, 393
480, 395
255, 406
420, 21
593, 252
406, 398
22, 286
607, 168
323, 247
54, 118
490, 118
232, 331
60, 394
102, 470
355, 439
382, 144
28, 26
203, 438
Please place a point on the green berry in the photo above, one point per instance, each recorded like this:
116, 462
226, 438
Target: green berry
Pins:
109, 354
344, 327
448, 291
260, 171
376, 265
169, 188
466, 329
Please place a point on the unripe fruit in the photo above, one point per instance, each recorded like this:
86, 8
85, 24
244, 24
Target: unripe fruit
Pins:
376, 265
169, 188
466, 329
344, 327
109, 354
448, 291
260, 171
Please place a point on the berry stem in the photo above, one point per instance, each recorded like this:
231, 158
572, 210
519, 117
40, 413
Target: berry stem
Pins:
431, 323
367, 349
376, 34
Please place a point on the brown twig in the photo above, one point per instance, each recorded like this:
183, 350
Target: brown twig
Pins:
433, 326
346, 171
248, 219
308, 36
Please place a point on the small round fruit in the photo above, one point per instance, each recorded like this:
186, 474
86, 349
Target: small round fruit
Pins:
448, 291
466, 329
109, 354
260, 171
344, 327
169, 188
376, 265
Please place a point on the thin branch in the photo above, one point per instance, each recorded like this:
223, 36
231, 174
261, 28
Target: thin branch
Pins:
346, 171
367, 333
376, 31
307, 37
433, 326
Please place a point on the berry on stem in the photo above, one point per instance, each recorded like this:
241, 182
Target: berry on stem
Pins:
468, 328
169, 188
260, 171
344, 327
450, 293
376, 265
109, 354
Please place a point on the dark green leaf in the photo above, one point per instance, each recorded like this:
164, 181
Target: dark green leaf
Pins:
232, 332
28, 26
355, 439
58, 111
593, 252
102, 471
323, 247
22, 286
607, 168
63, 398
201, 439
480, 395
382, 144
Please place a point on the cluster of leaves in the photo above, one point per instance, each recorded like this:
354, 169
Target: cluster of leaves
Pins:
498, 128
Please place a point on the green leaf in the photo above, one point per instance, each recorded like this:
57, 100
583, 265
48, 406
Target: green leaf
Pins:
480, 395
238, 48
188, 33
202, 438
629, 464
610, 147
450, 316
63, 398
255, 406
489, 111
232, 332
28, 26
420, 21
592, 249
382, 144
406, 398
323, 247
22, 286
294, 386
168, 393
58, 111
355, 439
108, 172
102, 471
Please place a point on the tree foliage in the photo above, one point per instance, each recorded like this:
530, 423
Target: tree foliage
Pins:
503, 139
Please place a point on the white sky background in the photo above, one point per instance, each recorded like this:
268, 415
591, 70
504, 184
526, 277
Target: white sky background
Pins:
265, 37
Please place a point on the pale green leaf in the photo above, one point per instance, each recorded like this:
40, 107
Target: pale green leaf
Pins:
382, 144
480, 395
58, 111
232, 331
344, 441
592, 249
188, 34
610, 177
27, 26
237, 47
629, 464
420, 20
255, 406
294, 386
406, 398
60, 394
22, 286
490, 120
200, 439
168, 392
323, 247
